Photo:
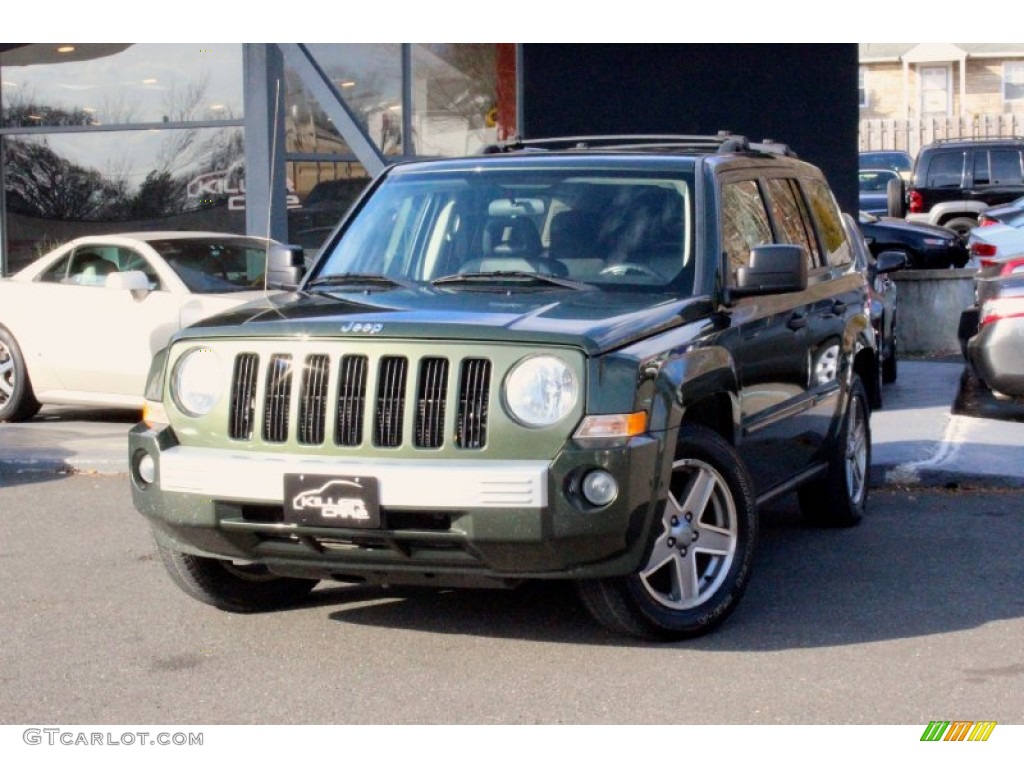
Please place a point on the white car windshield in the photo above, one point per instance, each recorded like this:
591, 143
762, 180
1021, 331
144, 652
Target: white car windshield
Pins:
208, 265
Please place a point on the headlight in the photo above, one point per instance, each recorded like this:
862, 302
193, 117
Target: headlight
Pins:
541, 391
197, 381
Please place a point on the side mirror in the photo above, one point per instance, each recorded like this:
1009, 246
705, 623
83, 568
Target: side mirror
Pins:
890, 261
772, 269
286, 264
133, 280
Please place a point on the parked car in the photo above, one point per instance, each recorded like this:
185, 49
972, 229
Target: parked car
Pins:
995, 273
893, 159
80, 324
926, 246
995, 243
875, 185
954, 181
1010, 213
573, 358
884, 298
996, 350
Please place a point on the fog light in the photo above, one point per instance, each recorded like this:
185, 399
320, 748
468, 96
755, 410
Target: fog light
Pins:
146, 469
600, 488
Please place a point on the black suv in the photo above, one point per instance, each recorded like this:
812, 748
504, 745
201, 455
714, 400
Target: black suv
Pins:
953, 181
574, 359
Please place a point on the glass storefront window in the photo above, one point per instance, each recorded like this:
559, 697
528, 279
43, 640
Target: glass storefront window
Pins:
369, 78
62, 185
325, 191
106, 84
463, 96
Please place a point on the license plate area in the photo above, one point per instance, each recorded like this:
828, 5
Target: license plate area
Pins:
332, 501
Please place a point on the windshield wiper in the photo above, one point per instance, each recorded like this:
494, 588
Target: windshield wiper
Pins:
484, 278
363, 280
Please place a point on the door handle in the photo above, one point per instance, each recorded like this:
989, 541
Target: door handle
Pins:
797, 321
838, 307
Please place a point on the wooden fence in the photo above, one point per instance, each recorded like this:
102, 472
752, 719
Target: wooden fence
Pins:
912, 134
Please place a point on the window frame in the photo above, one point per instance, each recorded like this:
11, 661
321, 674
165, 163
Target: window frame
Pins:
1008, 67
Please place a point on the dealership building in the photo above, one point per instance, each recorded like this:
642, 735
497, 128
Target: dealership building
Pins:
278, 139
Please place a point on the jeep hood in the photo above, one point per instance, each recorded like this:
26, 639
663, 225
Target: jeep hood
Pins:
593, 320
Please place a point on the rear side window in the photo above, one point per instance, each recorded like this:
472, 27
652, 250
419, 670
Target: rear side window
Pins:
792, 220
945, 170
1004, 168
745, 223
830, 225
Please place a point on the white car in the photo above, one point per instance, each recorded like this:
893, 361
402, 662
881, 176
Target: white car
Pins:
996, 242
80, 324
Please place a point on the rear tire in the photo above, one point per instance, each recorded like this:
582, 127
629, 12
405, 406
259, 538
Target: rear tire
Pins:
232, 587
962, 225
17, 401
837, 498
699, 562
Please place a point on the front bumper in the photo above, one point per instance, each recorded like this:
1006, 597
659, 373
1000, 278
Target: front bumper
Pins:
439, 518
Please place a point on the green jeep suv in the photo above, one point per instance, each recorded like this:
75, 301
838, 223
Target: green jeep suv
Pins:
585, 359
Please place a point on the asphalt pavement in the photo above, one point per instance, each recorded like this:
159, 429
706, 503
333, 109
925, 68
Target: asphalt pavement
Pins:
937, 427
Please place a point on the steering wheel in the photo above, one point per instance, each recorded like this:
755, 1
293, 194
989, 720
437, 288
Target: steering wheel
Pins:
631, 268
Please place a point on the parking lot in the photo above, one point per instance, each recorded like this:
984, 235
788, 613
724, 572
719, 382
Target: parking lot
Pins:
912, 616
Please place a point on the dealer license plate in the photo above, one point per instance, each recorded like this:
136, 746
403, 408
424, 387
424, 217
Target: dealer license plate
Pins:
332, 501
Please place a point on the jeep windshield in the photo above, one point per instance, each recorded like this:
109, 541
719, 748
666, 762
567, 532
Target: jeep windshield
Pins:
527, 227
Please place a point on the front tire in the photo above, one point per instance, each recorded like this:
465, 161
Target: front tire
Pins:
890, 366
232, 587
17, 401
698, 565
837, 498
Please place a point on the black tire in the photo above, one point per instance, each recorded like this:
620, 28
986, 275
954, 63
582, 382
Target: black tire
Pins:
231, 587
17, 401
837, 498
895, 196
890, 365
962, 225
684, 591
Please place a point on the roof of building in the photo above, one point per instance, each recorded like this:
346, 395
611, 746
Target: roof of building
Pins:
920, 52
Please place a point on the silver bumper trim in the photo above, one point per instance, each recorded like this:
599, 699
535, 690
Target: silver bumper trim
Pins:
420, 484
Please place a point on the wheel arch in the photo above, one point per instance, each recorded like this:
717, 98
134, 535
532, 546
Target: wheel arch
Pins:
701, 387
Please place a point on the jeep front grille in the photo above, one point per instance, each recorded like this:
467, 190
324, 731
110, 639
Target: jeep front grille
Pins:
356, 395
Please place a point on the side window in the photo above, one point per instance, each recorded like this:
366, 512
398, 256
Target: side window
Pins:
745, 223
830, 225
945, 170
91, 264
1006, 167
792, 221
981, 172
58, 273
129, 261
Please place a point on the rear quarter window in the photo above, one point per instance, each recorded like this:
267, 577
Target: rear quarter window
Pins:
829, 223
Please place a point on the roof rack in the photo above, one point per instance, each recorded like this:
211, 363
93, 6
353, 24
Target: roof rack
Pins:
723, 142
